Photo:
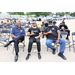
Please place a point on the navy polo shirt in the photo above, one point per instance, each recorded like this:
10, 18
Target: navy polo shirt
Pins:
54, 34
17, 31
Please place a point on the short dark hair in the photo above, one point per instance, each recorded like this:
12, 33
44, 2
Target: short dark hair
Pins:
54, 22
39, 19
46, 24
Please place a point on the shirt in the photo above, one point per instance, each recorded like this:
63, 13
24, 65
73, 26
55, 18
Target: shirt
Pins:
17, 31
36, 32
40, 24
54, 34
63, 27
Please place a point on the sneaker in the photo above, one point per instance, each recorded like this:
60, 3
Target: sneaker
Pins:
28, 56
16, 58
62, 56
53, 52
39, 56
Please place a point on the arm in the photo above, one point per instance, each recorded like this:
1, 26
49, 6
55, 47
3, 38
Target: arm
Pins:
13, 36
38, 36
57, 41
28, 34
58, 34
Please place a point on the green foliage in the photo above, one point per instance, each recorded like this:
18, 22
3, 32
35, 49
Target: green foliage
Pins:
73, 14
39, 13
16, 13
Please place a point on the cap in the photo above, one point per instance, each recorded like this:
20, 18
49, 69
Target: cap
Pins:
54, 22
50, 21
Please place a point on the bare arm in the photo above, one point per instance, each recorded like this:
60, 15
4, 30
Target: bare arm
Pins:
13, 36
58, 34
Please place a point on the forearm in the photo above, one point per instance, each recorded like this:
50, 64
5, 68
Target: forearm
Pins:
39, 36
58, 35
45, 33
13, 36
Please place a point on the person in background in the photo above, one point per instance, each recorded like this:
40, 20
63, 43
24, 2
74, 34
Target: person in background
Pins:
14, 22
7, 22
43, 27
1, 22
39, 24
64, 27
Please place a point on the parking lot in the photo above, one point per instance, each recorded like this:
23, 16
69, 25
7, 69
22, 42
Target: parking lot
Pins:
47, 56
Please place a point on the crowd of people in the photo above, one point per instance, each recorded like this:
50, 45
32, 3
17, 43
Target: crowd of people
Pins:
48, 29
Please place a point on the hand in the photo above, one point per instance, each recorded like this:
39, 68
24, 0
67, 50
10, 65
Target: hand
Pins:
50, 32
57, 41
32, 33
15, 36
63, 29
36, 37
19, 40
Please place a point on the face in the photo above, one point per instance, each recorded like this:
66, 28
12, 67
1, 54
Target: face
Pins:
19, 24
62, 23
50, 23
34, 24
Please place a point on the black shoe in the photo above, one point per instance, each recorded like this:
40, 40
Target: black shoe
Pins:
62, 56
28, 56
39, 56
53, 52
7, 44
16, 58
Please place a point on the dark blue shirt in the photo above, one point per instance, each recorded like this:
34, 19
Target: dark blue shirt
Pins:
17, 31
54, 34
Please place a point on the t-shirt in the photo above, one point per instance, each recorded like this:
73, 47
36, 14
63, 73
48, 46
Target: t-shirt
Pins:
39, 24
54, 34
17, 31
36, 32
63, 27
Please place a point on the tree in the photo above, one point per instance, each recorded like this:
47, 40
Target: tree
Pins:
73, 14
39, 13
16, 13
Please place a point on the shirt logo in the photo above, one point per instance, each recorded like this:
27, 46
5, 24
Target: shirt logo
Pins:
20, 30
52, 28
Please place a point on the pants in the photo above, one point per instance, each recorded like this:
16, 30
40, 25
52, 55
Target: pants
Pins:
16, 42
62, 43
31, 40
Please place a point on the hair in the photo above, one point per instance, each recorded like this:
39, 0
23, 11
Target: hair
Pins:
1, 21
46, 24
39, 19
50, 21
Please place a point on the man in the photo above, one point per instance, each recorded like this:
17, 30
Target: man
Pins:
43, 27
35, 35
18, 34
53, 36
54, 23
64, 27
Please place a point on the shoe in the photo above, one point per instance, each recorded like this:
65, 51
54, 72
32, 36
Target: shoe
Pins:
6, 44
39, 56
28, 56
53, 52
16, 58
62, 56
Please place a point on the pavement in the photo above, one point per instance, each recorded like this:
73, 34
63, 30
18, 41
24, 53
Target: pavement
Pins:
47, 56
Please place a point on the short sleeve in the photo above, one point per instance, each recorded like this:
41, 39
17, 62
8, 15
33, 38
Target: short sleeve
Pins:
39, 31
24, 31
57, 28
12, 32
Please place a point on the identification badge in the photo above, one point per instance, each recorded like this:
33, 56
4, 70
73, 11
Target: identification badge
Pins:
20, 30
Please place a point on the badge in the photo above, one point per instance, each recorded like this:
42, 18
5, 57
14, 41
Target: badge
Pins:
20, 30
52, 28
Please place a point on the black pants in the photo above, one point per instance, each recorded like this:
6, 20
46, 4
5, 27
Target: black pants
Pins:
31, 40
16, 42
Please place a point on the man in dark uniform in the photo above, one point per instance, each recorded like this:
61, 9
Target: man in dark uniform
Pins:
64, 27
53, 36
35, 35
18, 34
